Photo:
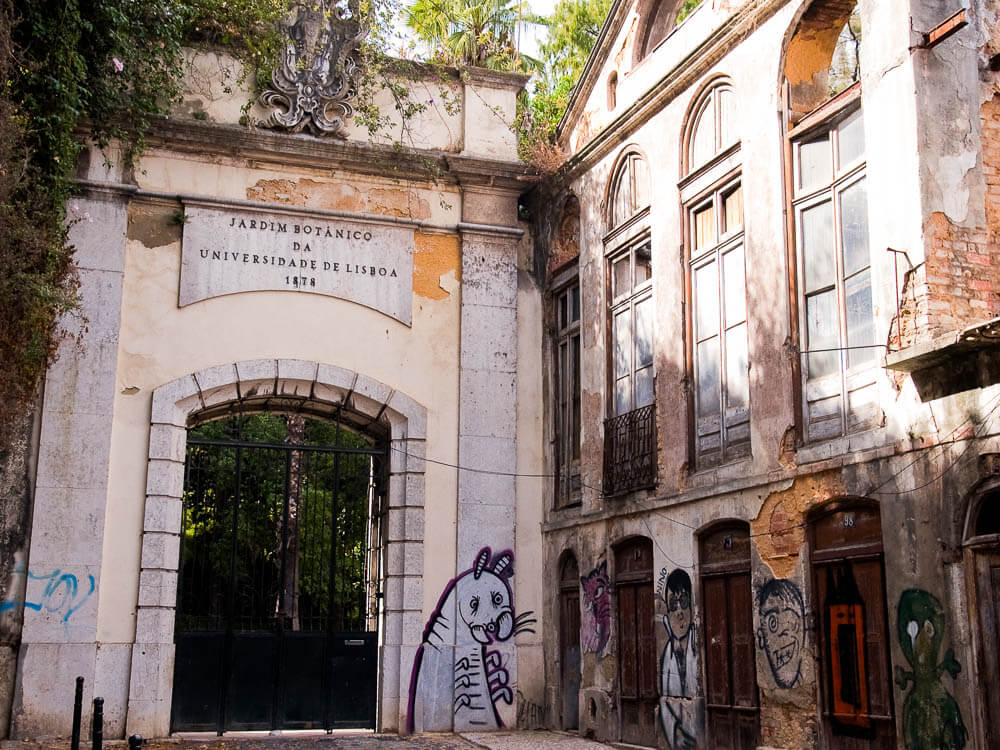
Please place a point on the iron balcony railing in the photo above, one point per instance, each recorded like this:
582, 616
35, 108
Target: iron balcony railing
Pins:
630, 451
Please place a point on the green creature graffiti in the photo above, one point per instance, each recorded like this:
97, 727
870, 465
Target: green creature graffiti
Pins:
931, 717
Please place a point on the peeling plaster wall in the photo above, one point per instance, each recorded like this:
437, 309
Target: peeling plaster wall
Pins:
931, 119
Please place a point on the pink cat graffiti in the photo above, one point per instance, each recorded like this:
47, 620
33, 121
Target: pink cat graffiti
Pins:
456, 679
595, 622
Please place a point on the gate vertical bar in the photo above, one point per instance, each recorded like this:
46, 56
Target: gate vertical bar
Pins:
278, 699
332, 590
227, 658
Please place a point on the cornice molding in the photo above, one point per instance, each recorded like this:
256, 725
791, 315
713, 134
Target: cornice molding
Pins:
308, 152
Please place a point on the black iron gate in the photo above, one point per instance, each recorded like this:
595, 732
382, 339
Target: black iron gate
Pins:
277, 606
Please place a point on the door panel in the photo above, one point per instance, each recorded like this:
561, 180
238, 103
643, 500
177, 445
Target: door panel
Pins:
733, 720
637, 657
570, 643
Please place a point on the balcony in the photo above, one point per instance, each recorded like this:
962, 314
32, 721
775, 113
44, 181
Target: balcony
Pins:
630, 451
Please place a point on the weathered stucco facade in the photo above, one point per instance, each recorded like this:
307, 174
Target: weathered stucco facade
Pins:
733, 393
757, 545
408, 329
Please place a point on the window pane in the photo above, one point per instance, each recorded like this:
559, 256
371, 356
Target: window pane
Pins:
733, 284
860, 320
845, 63
821, 333
703, 140
623, 397
854, 221
851, 139
706, 300
574, 304
640, 176
818, 247
623, 196
704, 227
619, 277
644, 333
643, 387
622, 333
643, 264
732, 210
737, 381
727, 120
708, 377
815, 167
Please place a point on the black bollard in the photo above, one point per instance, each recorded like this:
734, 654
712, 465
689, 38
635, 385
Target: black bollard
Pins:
74, 742
97, 726
135, 742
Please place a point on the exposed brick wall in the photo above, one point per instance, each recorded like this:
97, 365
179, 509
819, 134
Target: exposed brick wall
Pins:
959, 284
962, 275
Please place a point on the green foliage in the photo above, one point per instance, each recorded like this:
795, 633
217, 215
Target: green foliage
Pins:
687, 7
480, 33
573, 29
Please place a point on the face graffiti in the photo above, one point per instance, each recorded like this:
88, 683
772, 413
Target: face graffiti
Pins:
931, 716
781, 633
678, 664
456, 680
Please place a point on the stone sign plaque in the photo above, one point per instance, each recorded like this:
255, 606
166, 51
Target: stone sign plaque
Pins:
227, 250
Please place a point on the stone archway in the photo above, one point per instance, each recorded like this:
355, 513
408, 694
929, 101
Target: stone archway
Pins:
275, 381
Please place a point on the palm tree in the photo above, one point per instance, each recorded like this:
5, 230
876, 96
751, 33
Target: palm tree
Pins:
471, 32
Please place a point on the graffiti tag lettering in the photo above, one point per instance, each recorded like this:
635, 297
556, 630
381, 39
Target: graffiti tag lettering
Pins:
62, 593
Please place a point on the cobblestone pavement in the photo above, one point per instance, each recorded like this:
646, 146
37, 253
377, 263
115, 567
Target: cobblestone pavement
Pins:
344, 740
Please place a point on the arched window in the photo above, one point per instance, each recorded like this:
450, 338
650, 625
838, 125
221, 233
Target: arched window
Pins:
712, 127
660, 18
629, 188
829, 222
718, 361
612, 90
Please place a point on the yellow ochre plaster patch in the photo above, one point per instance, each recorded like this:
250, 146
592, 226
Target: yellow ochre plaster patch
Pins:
434, 256
779, 528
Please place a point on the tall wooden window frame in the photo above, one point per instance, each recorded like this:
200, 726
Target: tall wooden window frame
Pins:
630, 459
717, 328
835, 314
567, 347
630, 294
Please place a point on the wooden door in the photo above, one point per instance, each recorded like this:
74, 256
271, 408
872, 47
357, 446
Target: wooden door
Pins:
988, 594
636, 642
849, 599
732, 705
569, 641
